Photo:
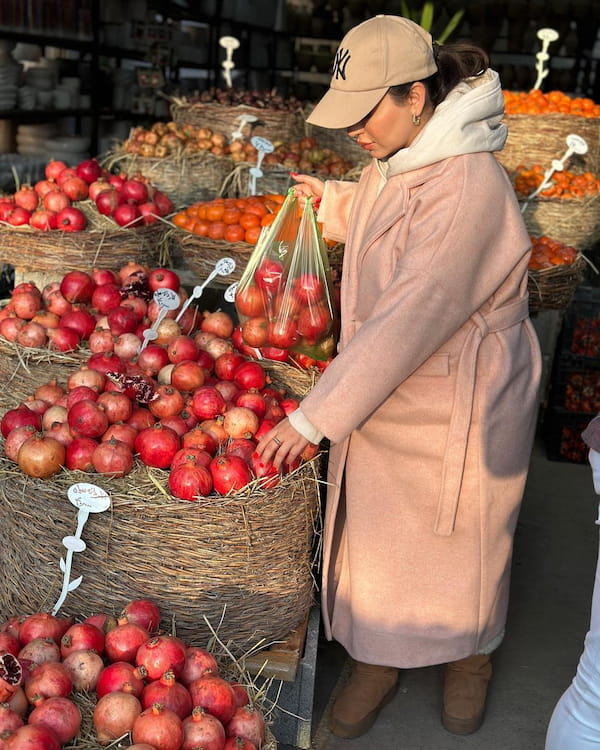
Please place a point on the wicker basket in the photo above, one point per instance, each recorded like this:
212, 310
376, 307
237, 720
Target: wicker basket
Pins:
244, 562
574, 222
185, 178
541, 138
296, 380
277, 125
338, 141
22, 370
200, 254
553, 288
102, 245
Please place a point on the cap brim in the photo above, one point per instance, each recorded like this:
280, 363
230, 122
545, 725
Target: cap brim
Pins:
340, 109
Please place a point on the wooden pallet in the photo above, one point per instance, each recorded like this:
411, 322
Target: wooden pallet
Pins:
282, 659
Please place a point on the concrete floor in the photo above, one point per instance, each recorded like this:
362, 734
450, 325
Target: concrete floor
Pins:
554, 564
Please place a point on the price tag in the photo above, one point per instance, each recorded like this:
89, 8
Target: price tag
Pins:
229, 43
88, 498
242, 121
223, 267
167, 300
547, 36
229, 294
263, 146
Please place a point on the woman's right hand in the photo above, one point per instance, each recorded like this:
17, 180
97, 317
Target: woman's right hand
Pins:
308, 186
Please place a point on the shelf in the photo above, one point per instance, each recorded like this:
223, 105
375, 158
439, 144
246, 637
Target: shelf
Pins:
79, 43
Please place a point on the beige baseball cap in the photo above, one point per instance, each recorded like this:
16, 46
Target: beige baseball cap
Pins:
381, 52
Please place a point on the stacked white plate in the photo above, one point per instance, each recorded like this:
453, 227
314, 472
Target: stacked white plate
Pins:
10, 73
68, 148
31, 139
41, 77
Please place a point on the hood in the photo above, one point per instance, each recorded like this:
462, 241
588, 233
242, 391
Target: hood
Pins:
469, 120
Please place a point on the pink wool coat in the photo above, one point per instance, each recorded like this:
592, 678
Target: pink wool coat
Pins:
430, 408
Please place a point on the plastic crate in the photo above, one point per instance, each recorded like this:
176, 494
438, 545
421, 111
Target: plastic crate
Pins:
561, 432
580, 333
575, 384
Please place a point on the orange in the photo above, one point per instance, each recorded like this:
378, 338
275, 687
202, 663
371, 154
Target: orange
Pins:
180, 219
257, 208
200, 227
267, 220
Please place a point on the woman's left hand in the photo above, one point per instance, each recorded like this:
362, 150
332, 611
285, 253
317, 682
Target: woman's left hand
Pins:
282, 444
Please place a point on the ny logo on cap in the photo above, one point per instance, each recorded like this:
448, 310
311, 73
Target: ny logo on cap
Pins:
340, 61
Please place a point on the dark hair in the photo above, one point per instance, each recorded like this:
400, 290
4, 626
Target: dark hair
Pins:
455, 63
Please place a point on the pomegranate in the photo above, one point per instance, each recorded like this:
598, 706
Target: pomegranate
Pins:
159, 727
78, 454
265, 471
144, 612
40, 650
238, 743
89, 170
117, 406
207, 402
120, 676
199, 438
250, 375
122, 432
181, 348
10, 721
189, 482
247, 722
226, 364
252, 399
127, 346
11, 676
19, 703
106, 297
220, 323
106, 362
175, 422
122, 320
32, 736
202, 729
15, 439
163, 278
214, 427
59, 714
41, 456
254, 331
49, 392
43, 625
84, 668
87, 418
250, 301
198, 661
26, 305
228, 389
168, 693
191, 456
77, 286
242, 447
168, 402
82, 635
153, 358
121, 643
135, 190
9, 643
77, 394
215, 695
114, 715
216, 346
229, 473
18, 417
241, 694
157, 445
240, 422
160, 654
47, 680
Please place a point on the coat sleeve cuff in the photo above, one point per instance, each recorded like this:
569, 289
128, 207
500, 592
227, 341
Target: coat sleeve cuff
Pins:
306, 428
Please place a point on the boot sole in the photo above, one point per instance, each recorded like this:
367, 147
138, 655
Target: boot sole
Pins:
455, 725
350, 731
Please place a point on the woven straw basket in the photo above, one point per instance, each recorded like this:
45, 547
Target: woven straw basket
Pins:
102, 245
553, 288
200, 254
338, 141
274, 180
22, 370
574, 222
274, 124
296, 380
243, 562
185, 178
541, 138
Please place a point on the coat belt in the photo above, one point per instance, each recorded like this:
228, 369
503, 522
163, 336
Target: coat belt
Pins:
460, 419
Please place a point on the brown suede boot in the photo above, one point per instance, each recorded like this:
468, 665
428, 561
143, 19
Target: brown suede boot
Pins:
368, 690
465, 688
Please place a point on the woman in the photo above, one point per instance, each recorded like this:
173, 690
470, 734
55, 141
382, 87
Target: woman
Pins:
575, 721
430, 404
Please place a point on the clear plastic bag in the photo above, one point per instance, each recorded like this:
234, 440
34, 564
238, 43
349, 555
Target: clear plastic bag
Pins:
284, 299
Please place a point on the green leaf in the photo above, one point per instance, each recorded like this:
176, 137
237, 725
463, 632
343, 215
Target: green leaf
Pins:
451, 26
427, 16
404, 9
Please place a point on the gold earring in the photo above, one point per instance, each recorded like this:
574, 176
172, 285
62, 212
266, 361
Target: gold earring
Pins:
416, 119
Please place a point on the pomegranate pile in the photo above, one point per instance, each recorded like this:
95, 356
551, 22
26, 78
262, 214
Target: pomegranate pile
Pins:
67, 196
150, 686
189, 402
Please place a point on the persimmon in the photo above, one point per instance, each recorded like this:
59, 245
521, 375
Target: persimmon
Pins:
216, 230
200, 227
180, 219
252, 235
234, 233
231, 215
267, 220
248, 220
256, 207
214, 211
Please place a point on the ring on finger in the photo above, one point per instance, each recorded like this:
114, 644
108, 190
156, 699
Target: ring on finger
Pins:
277, 441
